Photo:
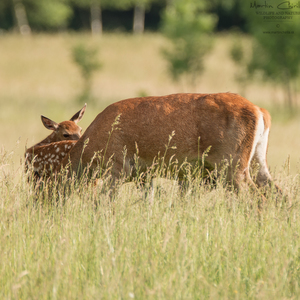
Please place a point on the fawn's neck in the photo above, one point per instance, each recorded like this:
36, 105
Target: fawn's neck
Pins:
49, 139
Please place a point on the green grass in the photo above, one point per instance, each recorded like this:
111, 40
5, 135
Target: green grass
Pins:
198, 244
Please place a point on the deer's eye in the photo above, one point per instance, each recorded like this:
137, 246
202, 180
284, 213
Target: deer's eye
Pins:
66, 135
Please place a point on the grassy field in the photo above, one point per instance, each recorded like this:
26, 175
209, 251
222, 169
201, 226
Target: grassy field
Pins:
38, 77
165, 243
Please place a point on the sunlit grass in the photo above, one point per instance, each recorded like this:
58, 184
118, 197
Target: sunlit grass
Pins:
135, 242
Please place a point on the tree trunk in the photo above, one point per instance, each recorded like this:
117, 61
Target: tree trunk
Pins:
21, 17
139, 18
289, 98
96, 20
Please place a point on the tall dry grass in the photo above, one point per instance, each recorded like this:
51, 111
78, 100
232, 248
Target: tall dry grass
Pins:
133, 242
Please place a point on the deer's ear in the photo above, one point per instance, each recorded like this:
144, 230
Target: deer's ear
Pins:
49, 124
78, 116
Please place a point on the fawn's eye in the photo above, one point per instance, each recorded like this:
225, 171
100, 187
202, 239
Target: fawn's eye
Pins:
66, 135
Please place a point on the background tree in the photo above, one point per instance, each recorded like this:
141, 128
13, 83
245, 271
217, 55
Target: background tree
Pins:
34, 15
275, 53
80, 14
47, 15
139, 16
239, 53
230, 14
96, 7
21, 17
85, 57
188, 26
96, 17
140, 7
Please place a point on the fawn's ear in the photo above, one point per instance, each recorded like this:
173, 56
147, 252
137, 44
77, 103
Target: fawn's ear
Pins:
49, 124
78, 116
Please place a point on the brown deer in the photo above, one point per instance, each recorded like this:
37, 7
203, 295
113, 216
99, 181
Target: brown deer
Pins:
235, 130
66, 132
46, 158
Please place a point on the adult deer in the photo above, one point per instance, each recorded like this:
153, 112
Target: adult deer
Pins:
235, 130
67, 131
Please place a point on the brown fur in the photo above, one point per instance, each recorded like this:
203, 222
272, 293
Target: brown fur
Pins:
227, 122
46, 158
64, 131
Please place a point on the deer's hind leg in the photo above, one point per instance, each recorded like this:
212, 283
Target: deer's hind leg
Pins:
264, 177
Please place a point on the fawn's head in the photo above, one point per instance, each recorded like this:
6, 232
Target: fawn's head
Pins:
66, 130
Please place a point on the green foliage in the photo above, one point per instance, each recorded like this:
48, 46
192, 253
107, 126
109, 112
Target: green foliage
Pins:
141, 243
45, 14
237, 53
110, 4
187, 25
275, 50
227, 5
145, 3
276, 55
240, 57
87, 61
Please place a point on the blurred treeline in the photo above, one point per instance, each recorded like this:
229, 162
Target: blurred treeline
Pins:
188, 24
109, 15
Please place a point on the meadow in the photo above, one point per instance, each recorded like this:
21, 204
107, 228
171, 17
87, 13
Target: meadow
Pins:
133, 242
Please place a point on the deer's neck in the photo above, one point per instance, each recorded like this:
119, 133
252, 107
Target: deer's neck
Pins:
49, 139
